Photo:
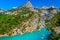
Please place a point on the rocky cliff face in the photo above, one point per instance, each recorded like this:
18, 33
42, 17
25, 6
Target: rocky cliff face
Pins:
19, 20
23, 19
28, 25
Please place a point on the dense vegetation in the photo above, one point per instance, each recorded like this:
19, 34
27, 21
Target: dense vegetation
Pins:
52, 24
8, 22
55, 21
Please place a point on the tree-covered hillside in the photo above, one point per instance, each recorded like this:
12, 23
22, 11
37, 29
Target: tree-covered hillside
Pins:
9, 22
54, 23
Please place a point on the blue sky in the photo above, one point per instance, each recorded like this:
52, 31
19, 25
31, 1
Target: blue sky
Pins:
8, 4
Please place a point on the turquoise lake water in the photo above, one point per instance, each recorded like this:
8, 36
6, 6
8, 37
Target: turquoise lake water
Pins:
35, 35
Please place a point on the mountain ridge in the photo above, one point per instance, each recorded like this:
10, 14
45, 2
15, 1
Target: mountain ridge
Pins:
25, 19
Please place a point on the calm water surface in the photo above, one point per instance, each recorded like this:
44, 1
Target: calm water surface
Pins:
36, 35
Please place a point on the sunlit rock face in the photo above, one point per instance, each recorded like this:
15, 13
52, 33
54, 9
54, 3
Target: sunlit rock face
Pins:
28, 4
26, 17
57, 30
28, 25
